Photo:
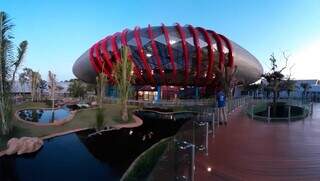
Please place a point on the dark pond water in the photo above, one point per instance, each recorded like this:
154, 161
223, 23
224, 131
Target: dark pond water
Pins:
282, 111
44, 115
79, 157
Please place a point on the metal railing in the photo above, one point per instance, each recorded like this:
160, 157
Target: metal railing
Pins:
259, 105
192, 139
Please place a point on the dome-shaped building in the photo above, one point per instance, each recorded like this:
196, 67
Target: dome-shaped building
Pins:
169, 55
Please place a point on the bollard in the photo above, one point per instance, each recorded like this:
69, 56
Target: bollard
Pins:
187, 148
268, 114
311, 109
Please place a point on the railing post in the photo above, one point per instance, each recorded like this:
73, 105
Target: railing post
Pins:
268, 114
207, 138
213, 118
289, 114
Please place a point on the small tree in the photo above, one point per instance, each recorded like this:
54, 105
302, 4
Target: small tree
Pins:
123, 79
275, 78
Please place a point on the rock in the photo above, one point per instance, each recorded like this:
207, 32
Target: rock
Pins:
94, 103
23, 145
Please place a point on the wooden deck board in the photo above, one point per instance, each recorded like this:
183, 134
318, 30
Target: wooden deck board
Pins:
252, 150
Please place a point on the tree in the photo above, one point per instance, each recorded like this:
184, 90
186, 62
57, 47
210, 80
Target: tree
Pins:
289, 85
102, 81
123, 79
77, 88
42, 86
52, 84
252, 88
225, 76
305, 86
275, 77
22, 49
23, 79
35, 84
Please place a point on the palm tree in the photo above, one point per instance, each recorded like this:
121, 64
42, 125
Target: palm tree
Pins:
102, 81
52, 86
22, 49
289, 86
6, 63
123, 79
5, 60
35, 84
22, 80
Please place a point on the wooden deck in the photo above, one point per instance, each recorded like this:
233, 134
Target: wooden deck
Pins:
251, 150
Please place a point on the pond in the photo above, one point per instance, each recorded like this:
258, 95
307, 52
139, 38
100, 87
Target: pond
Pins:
44, 115
79, 157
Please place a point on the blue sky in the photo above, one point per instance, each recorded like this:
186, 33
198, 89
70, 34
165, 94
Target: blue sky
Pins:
59, 31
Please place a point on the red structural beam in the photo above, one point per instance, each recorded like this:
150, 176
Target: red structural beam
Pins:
100, 60
171, 56
156, 53
229, 46
198, 50
124, 42
105, 53
185, 52
142, 54
219, 47
210, 53
93, 60
114, 45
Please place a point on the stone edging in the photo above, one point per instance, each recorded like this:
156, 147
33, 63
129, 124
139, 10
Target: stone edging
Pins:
55, 122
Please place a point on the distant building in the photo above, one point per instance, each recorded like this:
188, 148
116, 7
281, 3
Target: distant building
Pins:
25, 89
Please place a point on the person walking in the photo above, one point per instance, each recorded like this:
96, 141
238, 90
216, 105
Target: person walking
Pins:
221, 101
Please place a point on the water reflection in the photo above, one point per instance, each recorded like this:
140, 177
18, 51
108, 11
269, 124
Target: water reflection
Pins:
44, 115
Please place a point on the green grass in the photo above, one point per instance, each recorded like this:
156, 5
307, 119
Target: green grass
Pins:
82, 119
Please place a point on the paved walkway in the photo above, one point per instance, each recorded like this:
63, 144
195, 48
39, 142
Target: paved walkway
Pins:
251, 150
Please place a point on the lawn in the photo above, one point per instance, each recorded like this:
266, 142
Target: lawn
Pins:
83, 119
